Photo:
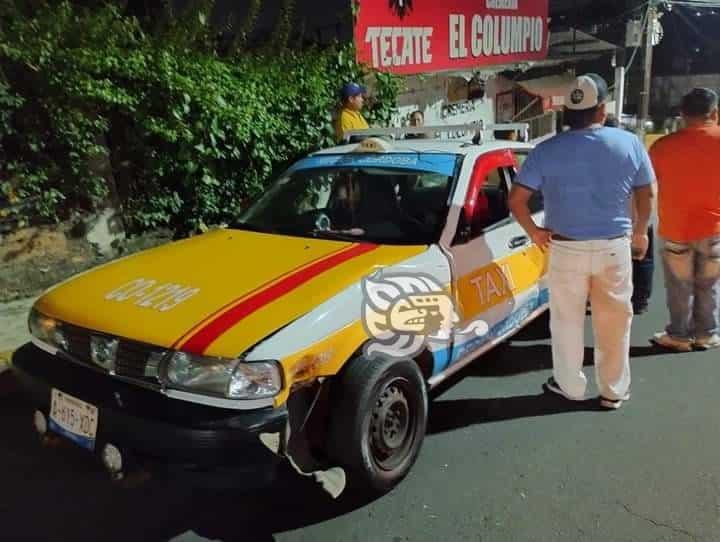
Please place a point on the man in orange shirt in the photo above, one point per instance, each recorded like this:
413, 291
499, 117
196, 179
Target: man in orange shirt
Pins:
688, 180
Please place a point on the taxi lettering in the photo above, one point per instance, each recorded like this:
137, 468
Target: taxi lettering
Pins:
494, 285
147, 293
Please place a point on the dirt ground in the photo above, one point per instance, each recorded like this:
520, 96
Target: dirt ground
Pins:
33, 259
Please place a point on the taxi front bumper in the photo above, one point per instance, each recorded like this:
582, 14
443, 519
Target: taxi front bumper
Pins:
149, 424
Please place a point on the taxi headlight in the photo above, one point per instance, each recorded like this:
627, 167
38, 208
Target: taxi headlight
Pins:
223, 377
49, 330
103, 351
255, 380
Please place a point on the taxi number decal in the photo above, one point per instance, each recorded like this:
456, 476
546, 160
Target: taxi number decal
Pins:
147, 293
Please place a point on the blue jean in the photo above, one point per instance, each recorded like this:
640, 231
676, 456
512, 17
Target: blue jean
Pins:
692, 282
642, 275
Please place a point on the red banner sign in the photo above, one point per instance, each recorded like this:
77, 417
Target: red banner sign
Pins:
420, 36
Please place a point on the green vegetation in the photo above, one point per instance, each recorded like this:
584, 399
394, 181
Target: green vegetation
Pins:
190, 128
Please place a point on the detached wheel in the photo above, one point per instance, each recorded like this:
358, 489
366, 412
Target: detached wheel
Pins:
378, 422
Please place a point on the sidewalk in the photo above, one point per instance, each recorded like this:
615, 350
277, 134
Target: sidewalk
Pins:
13, 330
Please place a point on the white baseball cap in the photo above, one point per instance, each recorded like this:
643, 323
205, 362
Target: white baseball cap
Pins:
586, 92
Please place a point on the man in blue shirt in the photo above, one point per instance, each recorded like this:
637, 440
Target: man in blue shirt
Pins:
587, 176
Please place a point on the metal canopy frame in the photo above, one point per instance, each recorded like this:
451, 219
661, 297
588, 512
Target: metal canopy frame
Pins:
476, 129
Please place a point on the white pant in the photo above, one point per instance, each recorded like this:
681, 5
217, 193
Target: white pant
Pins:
602, 270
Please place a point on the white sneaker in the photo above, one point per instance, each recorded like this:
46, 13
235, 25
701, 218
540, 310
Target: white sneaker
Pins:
673, 343
613, 404
707, 343
552, 386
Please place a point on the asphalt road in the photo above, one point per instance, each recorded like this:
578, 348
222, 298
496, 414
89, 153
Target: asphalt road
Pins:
502, 462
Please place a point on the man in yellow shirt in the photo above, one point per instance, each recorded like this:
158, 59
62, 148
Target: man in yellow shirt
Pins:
350, 117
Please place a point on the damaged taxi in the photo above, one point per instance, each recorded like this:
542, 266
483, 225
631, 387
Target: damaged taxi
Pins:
311, 330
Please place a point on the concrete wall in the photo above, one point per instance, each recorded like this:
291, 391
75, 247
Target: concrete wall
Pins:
433, 94
440, 98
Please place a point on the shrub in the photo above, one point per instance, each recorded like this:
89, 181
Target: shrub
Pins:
189, 134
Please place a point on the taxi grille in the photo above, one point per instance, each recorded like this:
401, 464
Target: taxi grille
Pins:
133, 359
78, 343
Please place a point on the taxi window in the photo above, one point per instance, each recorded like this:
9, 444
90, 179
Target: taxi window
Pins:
494, 181
492, 206
317, 198
359, 202
432, 180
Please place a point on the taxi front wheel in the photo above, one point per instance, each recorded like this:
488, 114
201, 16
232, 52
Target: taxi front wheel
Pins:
378, 422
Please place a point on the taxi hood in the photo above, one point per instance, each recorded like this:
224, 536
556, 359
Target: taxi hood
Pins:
197, 293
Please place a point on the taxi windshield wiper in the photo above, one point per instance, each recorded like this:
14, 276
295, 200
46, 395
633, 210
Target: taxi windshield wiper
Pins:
252, 227
344, 235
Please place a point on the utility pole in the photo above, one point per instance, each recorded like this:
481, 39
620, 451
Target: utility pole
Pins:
619, 83
647, 70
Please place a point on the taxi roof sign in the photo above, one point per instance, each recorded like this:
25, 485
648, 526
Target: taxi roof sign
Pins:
373, 144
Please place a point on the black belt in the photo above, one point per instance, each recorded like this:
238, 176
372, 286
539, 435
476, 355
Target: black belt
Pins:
557, 237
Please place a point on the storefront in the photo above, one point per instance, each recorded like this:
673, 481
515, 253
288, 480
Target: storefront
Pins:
452, 55
450, 52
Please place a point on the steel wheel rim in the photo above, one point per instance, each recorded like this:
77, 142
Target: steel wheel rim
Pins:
392, 425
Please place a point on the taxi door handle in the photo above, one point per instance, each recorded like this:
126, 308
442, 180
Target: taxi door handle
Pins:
516, 242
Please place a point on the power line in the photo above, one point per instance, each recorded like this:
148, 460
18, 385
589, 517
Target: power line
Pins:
645, 21
628, 11
607, 21
713, 45
694, 3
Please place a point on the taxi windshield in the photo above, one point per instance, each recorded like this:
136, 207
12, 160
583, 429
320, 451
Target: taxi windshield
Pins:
389, 199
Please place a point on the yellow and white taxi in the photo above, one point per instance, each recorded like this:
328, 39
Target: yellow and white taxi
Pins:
310, 330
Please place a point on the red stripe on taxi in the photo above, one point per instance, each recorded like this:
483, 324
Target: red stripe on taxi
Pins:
205, 336
260, 288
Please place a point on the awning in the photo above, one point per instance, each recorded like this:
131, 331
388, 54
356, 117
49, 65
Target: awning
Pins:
566, 47
574, 43
547, 87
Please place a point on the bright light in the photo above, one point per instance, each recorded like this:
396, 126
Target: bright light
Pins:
103, 351
47, 329
112, 458
40, 422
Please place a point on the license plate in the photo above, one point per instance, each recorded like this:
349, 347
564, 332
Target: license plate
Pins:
73, 419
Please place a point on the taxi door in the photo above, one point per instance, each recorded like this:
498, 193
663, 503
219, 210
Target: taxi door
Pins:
537, 208
495, 266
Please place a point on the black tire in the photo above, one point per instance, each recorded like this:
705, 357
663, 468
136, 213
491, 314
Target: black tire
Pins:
378, 421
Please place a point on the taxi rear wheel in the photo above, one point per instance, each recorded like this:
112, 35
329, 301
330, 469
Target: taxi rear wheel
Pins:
378, 421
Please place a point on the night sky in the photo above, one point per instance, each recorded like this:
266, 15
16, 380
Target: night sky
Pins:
691, 42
